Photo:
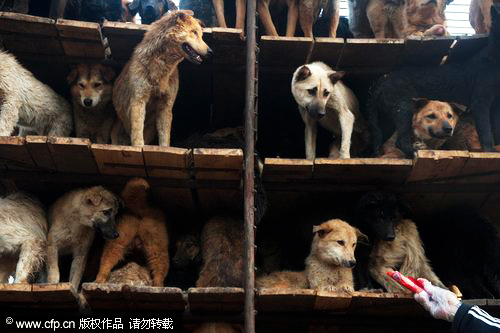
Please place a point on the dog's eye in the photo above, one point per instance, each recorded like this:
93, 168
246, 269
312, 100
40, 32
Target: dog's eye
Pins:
107, 212
431, 116
354, 245
312, 91
450, 116
341, 242
326, 93
195, 33
81, 85
97, 84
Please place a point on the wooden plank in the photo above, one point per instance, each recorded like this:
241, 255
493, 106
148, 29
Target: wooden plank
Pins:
81, 39
225, 34
327, 50
481, 168
284, 51
119, 160
72, 155
167, 162
332, 301
17, 293
14, 155
216, 299
123, 38
362, 170
283, 169
118, 296
385, 303
54, 293
384, 54
40, 153
284, 300
466, 47
437, 165
217, 164
27, 24
426, 51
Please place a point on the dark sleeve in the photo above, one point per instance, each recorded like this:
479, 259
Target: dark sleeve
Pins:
471, 319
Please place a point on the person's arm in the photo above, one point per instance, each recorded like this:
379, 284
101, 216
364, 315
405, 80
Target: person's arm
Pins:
471, 318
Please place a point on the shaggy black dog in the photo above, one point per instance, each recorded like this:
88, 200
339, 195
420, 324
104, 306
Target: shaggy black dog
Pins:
464, 249
474, 83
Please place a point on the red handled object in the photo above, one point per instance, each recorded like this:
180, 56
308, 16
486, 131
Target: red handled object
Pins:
406, 281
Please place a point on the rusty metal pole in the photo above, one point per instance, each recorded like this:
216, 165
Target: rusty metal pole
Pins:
248, 180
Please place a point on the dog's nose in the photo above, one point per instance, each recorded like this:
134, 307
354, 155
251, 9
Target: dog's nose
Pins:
87, 102
351, 263
447, 128
209, 52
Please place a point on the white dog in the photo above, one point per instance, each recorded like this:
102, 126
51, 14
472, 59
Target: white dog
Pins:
23, 237
324, 99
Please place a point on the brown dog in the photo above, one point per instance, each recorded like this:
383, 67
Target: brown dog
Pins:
479, 15
91, 90
145, 91
284, 279
433, 124
309, 11
329, 265
387, 18
222, 252
142, 225
240, 13
131, 274
426, 18
265, 16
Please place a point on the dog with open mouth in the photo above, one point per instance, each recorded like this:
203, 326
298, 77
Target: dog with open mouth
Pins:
144, 93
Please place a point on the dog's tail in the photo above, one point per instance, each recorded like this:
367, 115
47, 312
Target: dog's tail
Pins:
135, 194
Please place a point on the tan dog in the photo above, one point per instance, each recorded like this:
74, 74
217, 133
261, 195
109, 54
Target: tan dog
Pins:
387, 18
433, 124
480, 16
267, 21
93, 112
73, 219
426, 18
329, 265
141, 225
322, 98
309, 11
131, 274
240, 13
23, 237
30, 104
145, 91
284, 279
222, 253
405, 253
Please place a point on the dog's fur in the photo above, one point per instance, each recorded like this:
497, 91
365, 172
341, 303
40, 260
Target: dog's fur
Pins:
465, 250
222, 252
433, 124
73, 219
396, 241
240, 13
131, 274
145, 91
470, 83
426, 17
186, 263
284, 279
464, 137
309, 11
479, 15
23, 237
30, 104
324, 99
358, 19
265, 16
142, 225
91, 90
387, 18
329, 265
150, 10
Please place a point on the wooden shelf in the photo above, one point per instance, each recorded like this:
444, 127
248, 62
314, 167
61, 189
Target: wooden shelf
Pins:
60, 295
216, 299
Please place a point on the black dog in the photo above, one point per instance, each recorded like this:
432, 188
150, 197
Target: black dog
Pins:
150, 10
377, 215
473, 83
465, 251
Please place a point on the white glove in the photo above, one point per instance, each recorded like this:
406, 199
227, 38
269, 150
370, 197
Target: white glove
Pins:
441, 303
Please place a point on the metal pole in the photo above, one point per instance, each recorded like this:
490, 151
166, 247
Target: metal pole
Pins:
248, 180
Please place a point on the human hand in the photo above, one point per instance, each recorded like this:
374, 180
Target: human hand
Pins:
441, 303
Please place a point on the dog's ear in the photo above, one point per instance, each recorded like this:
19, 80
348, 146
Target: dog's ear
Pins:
321, 230
303, 73
458, 108
107, 73
336, 76
182, 15
201, 23
71, 78
133, 7
362, 238
93, 198
419, 103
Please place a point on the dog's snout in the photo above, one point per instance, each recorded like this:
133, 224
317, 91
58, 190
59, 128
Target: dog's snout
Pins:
210, 52
87, 102
351, 263
447, 128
